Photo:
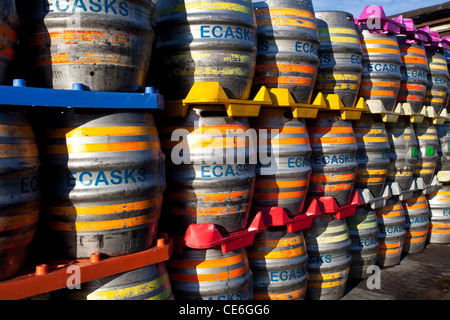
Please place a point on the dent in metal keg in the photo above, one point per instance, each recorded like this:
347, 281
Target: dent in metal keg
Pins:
340, 56
373, 154
288, 45
363, 230
381, 63
9, 24
391, 234
105, 46
147, 283
328, 246
414, 70
439, 229
204, 41
333, 158
278, 261
104, 180
211, 162
416, 226
437, 79
428, 143
283, 180
403, 153
210, 274
19, 191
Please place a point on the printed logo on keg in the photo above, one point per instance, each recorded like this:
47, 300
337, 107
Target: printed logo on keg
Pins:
113, 7
211, 146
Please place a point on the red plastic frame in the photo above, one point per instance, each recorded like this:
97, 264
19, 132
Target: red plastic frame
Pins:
54, 276
206, 235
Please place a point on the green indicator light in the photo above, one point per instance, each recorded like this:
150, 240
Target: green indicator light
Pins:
414, 152
430, 151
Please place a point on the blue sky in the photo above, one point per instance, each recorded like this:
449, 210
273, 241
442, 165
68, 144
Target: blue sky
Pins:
390, 7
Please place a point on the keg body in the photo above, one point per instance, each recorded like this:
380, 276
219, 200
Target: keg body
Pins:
288, 45
340, 56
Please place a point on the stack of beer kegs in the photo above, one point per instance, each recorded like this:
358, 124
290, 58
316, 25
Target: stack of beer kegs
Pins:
102, 176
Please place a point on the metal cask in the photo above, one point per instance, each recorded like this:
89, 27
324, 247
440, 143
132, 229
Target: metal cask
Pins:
439, 203
416, 214
211, 163
278, 261
9, 24
105, 46
328, 246
363, 230
19, 191
403, 152
443, 131
391, 234
147, 283
333, 158
210, 274
414, 71
381, 63
428, 144
437, 79
373, 154
104, 180
287, 47
200, 41
283, 171
340, 56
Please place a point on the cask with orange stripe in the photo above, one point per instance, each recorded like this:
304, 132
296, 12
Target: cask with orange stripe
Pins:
391, 233
288, 45
200, 41
9, 24
428, 143
329, 259
439, 203
147, 283
210, 274
19, 191
333, 158
414, 70
104, 179
105, 46
283, 171
416, 226
340, 55
437, 79
443, 131
363, 230
403, 152
373, 154
278, 261
381, 63
211, 163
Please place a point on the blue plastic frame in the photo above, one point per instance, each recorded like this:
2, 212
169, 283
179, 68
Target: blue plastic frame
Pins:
20, 95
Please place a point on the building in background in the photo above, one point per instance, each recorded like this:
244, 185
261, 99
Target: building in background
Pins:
437, 17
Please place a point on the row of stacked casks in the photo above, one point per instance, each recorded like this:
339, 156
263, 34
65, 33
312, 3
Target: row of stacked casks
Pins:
127, 45
86, 202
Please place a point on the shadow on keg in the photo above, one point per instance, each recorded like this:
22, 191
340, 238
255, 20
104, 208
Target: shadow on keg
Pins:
34, 44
